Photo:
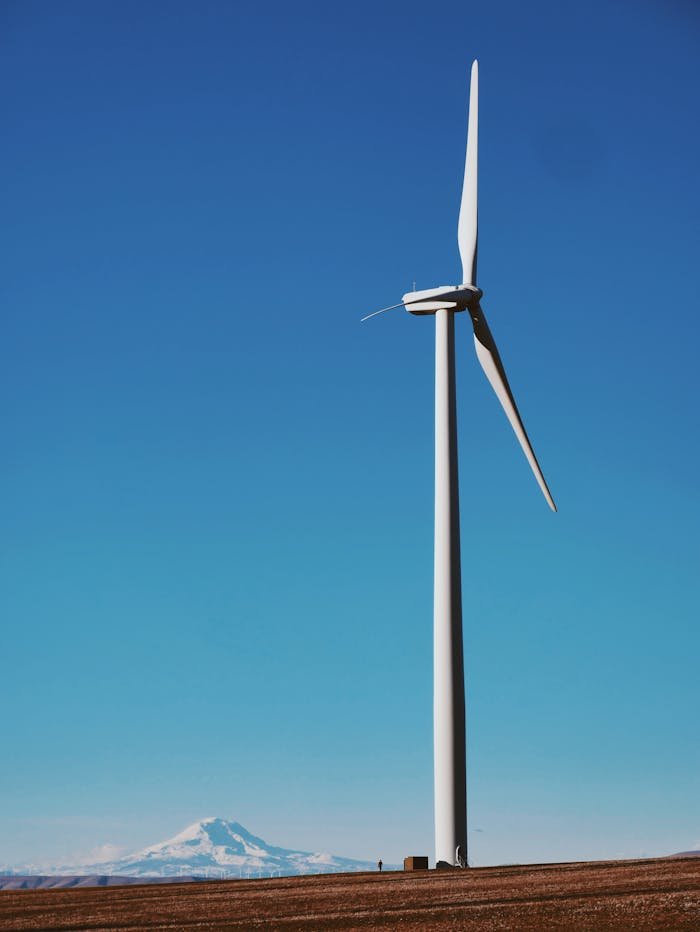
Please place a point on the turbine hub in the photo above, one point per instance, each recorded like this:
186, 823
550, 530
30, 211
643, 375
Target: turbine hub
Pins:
448, 297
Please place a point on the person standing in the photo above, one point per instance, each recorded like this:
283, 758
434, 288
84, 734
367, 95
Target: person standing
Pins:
380, 865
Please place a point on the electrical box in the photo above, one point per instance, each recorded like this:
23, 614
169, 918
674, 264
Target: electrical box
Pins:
415, 864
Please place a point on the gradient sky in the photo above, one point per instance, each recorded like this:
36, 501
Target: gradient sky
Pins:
216, 549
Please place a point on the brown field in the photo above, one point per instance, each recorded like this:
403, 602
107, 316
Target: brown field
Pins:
633, 895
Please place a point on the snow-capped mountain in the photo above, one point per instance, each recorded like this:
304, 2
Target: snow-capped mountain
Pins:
216, 848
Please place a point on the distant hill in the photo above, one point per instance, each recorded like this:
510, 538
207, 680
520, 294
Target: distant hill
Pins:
61, 881
686, 854
211, 848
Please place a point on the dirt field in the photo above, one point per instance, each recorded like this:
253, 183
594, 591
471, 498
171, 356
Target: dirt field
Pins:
632, 895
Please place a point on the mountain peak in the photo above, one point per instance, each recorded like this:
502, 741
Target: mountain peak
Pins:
217, 832
218, 847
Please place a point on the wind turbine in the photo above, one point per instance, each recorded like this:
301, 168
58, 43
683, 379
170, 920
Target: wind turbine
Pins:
448, 703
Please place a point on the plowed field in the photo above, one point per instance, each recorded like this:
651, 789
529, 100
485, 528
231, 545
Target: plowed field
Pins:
631, 895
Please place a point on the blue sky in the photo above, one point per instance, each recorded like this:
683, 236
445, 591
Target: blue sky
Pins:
216, 566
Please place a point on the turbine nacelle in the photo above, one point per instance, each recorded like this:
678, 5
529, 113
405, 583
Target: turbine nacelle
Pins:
446, 297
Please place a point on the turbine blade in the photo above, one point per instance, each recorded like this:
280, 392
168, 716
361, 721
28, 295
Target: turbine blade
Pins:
381, 311
467, 228
490, 360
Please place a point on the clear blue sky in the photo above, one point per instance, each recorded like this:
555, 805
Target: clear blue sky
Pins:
216, 566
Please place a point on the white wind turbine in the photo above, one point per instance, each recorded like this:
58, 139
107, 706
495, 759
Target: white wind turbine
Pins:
444, 302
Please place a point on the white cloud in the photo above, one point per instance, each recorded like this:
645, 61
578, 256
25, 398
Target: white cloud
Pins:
106, 852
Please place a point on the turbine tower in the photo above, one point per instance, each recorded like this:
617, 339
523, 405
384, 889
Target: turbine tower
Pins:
448, 697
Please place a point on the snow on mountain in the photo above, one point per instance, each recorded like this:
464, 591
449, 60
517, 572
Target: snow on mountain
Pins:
217, 848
